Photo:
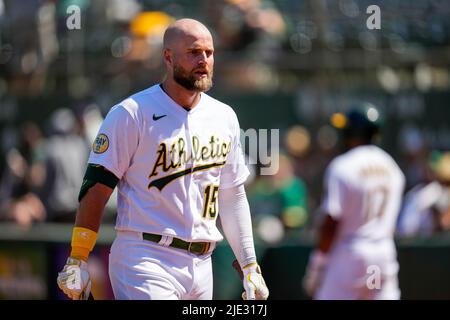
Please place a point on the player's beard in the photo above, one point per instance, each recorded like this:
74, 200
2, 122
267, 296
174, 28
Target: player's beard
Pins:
187, 80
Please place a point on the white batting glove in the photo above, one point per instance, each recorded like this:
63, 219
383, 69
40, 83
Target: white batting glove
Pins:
74, 279
314, 271
254, 284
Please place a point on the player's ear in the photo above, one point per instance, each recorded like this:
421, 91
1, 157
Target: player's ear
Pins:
167, 56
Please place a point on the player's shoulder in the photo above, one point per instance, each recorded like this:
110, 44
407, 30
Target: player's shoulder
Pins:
344, 159
142, 98
350, 159
380, 157
148, 93
134, 103
338, 165
389, 160
219, 107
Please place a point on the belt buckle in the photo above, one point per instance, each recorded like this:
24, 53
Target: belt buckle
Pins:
204, 249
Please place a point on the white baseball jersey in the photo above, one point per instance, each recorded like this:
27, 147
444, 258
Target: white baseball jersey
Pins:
170, 162
364, 190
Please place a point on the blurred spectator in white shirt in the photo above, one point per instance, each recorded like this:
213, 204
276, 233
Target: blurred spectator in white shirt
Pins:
426, 208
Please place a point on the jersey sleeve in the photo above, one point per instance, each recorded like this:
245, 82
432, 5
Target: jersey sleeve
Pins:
116, 141
234, 172
334, 193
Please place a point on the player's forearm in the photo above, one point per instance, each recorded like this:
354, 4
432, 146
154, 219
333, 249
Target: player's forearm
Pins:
90, 210
236, 223
88, 220
327, 233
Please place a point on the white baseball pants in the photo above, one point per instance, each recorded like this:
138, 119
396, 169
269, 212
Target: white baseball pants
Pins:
144, 270
351, 276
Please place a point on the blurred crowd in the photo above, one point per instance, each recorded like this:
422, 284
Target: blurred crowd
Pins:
58, 79
44, 165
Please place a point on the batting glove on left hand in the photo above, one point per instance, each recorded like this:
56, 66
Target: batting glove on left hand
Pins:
254, 284
74, 279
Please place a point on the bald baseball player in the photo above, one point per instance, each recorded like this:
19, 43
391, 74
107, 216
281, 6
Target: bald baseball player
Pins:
355, 258
174, 154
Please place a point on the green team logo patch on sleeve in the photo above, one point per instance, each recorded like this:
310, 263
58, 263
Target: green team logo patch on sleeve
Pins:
101, 143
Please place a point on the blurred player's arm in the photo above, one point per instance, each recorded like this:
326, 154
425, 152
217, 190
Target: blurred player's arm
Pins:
327, 233
237, 227
318, 258
331, 211
98, 185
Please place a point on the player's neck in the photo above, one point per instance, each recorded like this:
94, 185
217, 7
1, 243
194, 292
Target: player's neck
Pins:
356, 142
187, 99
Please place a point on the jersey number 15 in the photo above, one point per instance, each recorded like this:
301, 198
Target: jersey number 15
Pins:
210, 201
